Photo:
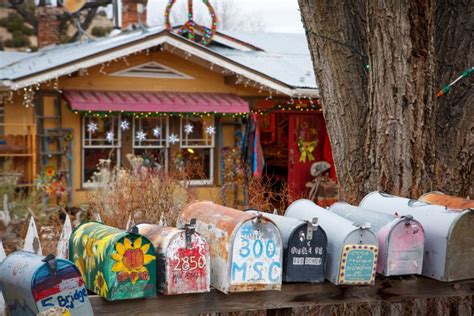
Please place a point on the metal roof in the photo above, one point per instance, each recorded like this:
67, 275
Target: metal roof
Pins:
285, 57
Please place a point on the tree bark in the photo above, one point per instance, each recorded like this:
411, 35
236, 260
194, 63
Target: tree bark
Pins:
387, 128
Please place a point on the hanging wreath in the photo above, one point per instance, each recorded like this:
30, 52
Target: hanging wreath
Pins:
306, 150
190, 26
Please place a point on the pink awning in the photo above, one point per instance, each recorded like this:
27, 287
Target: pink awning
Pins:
133, 101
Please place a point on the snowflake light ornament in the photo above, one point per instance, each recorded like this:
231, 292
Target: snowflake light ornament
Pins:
92, 127
109, 137
173, 139
141, 136
157, 131
124, 125
211, 130
188, 128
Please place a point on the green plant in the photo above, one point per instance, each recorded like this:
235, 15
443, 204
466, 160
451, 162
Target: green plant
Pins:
99, 31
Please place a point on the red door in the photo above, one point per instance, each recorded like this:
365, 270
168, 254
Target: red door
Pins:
304, 148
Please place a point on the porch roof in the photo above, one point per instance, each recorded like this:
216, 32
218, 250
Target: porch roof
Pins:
138, 101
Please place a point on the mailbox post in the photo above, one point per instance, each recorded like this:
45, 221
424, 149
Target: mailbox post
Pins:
352, 248
401, 239
304, 248
452, 202
449, 241
183, 264
245, 249
115, 264
33, 284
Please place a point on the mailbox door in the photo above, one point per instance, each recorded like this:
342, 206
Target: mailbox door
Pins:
65, 289
460, 255
305, 258
188, 268
256, 262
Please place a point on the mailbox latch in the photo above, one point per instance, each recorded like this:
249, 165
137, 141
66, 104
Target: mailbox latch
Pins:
189, 231
311, 227
51, 264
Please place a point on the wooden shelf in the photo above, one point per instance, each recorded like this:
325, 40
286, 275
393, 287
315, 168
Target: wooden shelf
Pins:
16, 155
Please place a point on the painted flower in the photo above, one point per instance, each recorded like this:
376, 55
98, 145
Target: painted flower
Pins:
50, 171
131, 259
89, 252
80, 265
100, 285
101, 246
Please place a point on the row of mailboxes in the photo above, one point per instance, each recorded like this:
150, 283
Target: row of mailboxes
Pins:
449, 241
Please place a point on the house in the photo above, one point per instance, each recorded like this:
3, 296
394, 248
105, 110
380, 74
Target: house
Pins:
157, 92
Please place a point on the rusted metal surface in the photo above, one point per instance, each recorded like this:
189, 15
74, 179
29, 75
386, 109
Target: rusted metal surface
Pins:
32, 284
452, 202
352, 252
401, 239
449, 237
304, 248
183, 261
245, 249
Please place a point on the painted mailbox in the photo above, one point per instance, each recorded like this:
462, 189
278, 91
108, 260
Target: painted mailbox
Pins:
114, 263
452, 202
183, 264
33, 284
245, 249
352, 251
449, 241
304, 248
401, 239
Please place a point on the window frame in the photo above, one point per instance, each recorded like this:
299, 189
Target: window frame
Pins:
166, 146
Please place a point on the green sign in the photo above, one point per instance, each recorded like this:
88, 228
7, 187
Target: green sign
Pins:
358, 264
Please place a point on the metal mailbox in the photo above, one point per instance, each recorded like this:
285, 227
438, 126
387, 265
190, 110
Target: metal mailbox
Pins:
352, 248
183, 264
245, 249
304, 248
452, 202
401, 239
114, 263
32, 284
449, 241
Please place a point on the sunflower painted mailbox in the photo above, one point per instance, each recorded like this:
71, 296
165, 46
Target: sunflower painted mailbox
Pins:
452, 202
401, 239
449, 241
115, 264
182, 258
304, 248
32, 284
352, 252
245, 249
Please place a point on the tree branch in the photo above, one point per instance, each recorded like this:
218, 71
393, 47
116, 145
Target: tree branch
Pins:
85, 25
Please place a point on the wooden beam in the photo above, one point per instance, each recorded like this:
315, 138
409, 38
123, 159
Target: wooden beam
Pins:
291, 296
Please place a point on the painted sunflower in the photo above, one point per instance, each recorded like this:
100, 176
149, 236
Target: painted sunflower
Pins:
131, 259
50, 171
89, 252
100, 285
80, 265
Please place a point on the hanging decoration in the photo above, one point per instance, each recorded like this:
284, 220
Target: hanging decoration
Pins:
141, 136
92, 127
188, 129
306, 150
190, 27
124, 125
211, 130
173, 139
157, 131
110, 137
447, 88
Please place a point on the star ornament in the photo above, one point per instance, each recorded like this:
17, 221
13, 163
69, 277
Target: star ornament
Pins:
92, 127
173, 139
188, 128
157, 131
109, 137
141, 136
124, 125
211, 130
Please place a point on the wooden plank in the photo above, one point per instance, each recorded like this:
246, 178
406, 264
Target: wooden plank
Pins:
291, 296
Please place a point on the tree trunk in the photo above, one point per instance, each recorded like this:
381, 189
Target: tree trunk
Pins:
387, 129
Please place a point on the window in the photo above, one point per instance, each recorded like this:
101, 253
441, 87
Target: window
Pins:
150, 137
101, 141
197, 138
151, 70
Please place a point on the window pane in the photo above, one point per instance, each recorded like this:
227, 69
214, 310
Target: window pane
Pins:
195, 163
92, 158
155, 158
197, 131
150, 132
101, 131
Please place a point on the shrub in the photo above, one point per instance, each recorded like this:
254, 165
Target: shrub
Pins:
99, 31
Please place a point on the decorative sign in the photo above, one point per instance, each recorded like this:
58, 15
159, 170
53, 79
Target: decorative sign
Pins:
358, 265
256, 255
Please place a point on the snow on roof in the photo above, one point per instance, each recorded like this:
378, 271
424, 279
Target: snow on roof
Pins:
285, 57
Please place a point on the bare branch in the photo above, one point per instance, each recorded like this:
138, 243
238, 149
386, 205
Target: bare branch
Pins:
87, 22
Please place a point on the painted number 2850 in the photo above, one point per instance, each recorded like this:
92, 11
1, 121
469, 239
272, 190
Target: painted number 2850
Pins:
190, 263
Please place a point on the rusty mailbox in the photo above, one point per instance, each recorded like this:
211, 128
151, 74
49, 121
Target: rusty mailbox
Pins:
304, 248
182, 260
401, 239
452, 202
449, 241
352, 248
245, 249
32, 284
114, 263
